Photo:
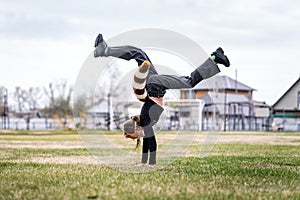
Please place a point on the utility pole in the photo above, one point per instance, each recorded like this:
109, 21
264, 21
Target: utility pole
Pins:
5, 116
236, 74
225, 110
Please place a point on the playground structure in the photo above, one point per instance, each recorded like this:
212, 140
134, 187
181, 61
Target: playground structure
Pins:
82, 121
69, 123
236, 112
66, 123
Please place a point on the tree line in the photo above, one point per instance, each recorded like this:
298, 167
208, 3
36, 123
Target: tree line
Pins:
55, 98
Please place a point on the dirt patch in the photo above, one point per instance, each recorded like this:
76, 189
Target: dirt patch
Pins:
41, 144
58, 160
65, 160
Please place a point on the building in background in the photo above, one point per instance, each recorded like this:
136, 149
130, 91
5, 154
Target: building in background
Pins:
218, 84
286, 110
229, 105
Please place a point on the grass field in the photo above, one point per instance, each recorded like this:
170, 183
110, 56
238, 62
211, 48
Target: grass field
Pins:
242, 165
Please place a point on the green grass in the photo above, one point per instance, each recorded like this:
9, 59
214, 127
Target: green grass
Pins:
262, 150
232, 171
187, 178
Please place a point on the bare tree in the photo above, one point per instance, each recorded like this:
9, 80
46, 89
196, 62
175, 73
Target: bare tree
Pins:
34, 96
110, 89
26, 104
109, 85
2, 93
21, 96
82, 102
59, 98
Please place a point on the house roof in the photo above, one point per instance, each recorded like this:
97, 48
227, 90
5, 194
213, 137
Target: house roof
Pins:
277, 102
222, 82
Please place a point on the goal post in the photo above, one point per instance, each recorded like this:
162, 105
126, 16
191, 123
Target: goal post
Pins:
186, 112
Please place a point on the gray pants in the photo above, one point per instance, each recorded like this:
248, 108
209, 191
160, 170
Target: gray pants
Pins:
204, 71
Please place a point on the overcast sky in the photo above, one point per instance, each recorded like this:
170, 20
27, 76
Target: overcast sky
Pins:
41, 41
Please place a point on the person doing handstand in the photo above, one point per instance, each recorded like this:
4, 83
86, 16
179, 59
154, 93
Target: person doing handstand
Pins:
150, 87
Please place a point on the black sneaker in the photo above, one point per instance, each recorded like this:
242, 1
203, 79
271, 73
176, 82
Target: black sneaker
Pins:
220, 57
100, 45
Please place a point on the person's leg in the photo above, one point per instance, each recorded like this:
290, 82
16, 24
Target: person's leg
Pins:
206, 70
123, 52
145, 150
152, 148
149, 116
149, 144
